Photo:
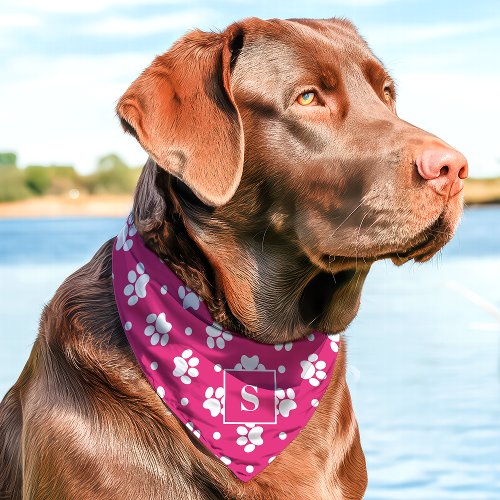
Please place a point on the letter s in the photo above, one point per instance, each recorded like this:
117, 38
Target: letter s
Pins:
251, 398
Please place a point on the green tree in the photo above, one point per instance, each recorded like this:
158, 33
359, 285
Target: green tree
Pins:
38, 179
8, 159
113, 175
13, 184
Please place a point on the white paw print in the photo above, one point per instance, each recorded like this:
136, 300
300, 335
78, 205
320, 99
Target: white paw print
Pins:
216, 336
128, 230
250, 436
312, 370
249, 363
335, 339
192, 428
157, 328
214, 401
186, 364
189, 298
137, 281
288, 346
285, 402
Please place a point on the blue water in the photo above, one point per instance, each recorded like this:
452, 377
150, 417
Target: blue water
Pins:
424, 354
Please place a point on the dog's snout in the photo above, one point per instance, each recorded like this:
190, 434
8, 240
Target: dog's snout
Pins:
443, 168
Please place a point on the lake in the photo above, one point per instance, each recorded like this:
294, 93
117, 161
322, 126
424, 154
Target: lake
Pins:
424, 354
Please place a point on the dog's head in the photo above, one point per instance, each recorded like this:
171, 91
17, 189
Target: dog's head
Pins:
292, 171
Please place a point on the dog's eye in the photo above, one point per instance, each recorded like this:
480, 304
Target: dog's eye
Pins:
306, 98
387, 94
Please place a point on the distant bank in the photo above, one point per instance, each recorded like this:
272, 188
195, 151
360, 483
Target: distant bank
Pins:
477, 191
102, 205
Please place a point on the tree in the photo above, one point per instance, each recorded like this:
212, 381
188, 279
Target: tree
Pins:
38, 179
8, 159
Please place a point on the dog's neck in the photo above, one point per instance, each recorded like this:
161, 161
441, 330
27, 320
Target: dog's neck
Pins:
244, 260
247, 283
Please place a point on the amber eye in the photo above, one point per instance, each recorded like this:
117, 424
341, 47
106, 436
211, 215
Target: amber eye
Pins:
306, 98
387, 94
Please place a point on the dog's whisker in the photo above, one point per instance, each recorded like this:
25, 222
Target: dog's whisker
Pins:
263, 236
357, 237
343, 222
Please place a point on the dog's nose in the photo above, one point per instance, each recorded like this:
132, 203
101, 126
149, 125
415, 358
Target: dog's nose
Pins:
443, 168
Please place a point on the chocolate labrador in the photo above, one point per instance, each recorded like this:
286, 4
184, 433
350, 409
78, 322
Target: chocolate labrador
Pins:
279, 172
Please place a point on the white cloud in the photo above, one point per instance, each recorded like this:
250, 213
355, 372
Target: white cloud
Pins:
387, 34
62, 111
148, 26
15, 20
85, 6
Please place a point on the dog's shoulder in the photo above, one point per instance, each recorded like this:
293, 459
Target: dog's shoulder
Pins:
83, 304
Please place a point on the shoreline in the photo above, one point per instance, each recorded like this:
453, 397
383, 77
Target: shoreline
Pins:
106, 205
110, 205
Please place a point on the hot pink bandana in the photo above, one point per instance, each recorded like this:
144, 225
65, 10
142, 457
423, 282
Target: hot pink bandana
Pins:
245, 401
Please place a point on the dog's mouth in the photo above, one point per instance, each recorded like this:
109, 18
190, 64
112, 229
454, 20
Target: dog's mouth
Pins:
330, 300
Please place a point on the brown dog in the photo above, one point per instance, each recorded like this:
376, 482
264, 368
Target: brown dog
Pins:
278, 173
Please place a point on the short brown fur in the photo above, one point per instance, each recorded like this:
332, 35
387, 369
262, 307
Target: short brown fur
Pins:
270, 212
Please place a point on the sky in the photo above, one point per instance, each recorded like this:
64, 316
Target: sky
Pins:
65, 63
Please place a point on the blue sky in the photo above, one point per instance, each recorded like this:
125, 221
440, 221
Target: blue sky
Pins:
66, 62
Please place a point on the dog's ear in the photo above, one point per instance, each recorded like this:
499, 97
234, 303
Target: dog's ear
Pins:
182, 112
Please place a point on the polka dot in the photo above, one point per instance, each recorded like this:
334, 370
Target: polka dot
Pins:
281, 369
217, 368
184, 401
127, 326
160, 391
282, 435
188, 331
216, 435
249, 469
112, 276
226, 460
270, 460
164, 289
310, 337
154, 365
314, 402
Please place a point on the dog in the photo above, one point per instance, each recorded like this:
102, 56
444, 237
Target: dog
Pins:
278, 172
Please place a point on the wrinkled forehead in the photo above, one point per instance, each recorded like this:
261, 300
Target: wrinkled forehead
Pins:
283, 53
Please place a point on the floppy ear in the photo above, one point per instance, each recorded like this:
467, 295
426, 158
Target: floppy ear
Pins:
182, 112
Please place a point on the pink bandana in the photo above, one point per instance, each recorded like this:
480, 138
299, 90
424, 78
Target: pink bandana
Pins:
245, 401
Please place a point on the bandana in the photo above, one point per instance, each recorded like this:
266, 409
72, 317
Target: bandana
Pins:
243, 400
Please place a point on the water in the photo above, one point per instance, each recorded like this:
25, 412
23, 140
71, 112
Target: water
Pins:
424, 355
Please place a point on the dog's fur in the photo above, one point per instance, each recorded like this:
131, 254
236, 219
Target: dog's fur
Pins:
273, 213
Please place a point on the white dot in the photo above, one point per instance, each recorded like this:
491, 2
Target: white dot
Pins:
154, 365
226, 460
188, 331
217, 368
163, 289
310, 337
270, 460
216, 435
314, 402
184, 401
282, 435
160, 391
249, 468
281, 369
127, 326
